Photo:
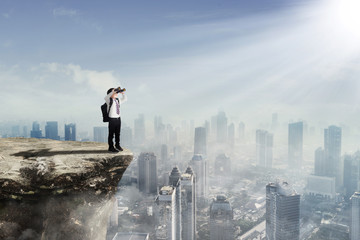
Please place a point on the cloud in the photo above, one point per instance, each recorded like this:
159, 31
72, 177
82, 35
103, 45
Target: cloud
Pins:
60, 12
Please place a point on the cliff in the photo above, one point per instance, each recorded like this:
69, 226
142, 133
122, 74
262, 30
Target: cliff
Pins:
57, 190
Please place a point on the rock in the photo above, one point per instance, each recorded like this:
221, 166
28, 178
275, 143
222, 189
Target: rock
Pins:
57, 189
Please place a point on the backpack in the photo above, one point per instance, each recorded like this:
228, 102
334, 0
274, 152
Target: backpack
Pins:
105, 113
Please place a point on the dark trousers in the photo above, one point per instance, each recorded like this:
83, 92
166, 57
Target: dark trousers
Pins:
114, 129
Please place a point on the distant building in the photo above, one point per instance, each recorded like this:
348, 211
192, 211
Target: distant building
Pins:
51, 130
222, 165
221, 219
70, 132
147, 177
351, 174
188, 205
332, 147
131, 236
200, 141
198, 164
320, 168
139, 129
355, 217
101, 134
221, 130
264, 148
282, 212
126, 137
166, 211
321, 187
36, 131
295, 145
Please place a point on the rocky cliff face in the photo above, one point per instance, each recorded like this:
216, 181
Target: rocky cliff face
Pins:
57, 190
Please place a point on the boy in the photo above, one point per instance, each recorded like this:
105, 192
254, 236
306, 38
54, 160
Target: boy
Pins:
114, 117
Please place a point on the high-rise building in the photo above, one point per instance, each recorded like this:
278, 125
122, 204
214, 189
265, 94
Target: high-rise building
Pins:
100, 134
355, 216
166, 211
222, 166
320, 162
282, 212
70, 132
241, 131
332, 147
231, 134
147, 177
198, 164
51, 130
139, 129
36, 131
295, 144
174, 180
321, 187
200, 141
351, 174
264, 148
221, 130
126, 137
188, 205
221, 219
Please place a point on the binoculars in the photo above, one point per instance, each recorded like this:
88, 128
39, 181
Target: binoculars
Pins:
119, 90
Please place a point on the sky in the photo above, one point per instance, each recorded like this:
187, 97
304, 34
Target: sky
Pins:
180, 59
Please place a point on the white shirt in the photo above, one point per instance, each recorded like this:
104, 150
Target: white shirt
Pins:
112, 112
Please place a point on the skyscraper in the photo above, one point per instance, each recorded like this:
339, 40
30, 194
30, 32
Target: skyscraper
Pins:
139, 129
198, 164
320, 162
295, 144
100, 134
332, 147
355, 217
264, 148
221, 219
351, 174
147, 177
174, 180
282, 212
200, 141
188, 205
70, 132
51, 130
221, 130
166, 210
36, 131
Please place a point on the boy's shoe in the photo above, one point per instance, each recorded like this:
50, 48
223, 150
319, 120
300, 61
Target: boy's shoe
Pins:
112, 149
119, 148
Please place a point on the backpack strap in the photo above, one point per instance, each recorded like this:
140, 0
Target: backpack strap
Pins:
111, 102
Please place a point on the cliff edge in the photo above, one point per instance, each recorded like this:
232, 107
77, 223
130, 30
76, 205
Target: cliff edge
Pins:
57, 190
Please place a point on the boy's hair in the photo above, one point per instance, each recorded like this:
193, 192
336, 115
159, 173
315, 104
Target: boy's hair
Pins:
110, 90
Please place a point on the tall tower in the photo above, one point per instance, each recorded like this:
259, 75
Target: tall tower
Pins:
221, 129
36, 131
147, 177
221, 219
198, 164
174, 180
188, 205
320, 162
295, 144
139, 129
282, 212
51, 130
166, 210
264, 148
70, 132
351, 174
355, 217
332, 147
200, 141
